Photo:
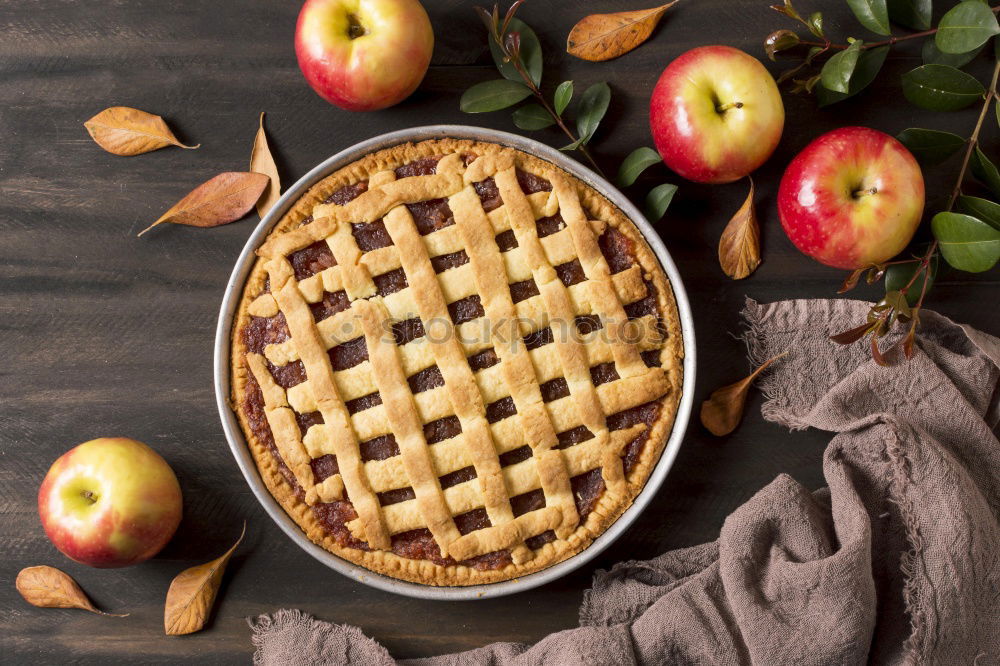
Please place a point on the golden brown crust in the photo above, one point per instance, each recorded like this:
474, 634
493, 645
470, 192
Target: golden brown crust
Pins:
610, 505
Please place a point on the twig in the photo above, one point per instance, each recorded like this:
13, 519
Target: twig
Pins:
974, 139
923, 290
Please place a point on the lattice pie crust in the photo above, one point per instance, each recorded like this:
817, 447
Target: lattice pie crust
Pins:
466, 393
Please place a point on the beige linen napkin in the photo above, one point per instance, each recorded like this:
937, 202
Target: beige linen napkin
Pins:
897, 561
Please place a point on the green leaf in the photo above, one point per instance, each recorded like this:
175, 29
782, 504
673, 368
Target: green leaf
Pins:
780, 40
898, 275
941, 88
658, 200
915, 14
493, 96
573, 146
869, 63
638, 161
815, 24
873, 14
985, 170
930, 146
983, 209
564, 93
532, 117
965, 27
531, 53
932, 55
966, 243
836, 73
593, 105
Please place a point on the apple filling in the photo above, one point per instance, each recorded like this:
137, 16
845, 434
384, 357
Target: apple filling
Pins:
431, 216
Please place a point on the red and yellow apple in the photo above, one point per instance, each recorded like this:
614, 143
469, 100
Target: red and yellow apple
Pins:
110, 502
852, 198
716, 114
363, 55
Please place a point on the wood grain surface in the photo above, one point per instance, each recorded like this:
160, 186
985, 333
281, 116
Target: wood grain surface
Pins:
107, 334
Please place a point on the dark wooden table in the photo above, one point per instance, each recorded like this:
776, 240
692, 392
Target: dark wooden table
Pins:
107, 334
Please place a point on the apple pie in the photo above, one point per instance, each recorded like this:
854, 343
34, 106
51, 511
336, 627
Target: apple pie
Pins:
455, 363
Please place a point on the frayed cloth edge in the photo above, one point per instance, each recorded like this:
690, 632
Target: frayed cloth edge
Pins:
759, 350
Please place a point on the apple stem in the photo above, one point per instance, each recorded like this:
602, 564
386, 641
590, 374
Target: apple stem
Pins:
857, 194
722, 108
354, 27
89, 496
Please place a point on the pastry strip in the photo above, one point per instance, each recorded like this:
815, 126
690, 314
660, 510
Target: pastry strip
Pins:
521, 478
572, 353
459, 382
530, 312
451, 455
314, 357
604, 302
516, 369
384, 373
507, 434
368, 207
284, 429
401, 413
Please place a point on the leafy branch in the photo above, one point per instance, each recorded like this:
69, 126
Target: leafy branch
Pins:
968, 240
827, 44
903, 303
850, 67
518, 56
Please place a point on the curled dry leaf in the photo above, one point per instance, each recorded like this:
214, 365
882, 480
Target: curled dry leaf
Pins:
723, 410
852, 335
605, 36
192, 593
261, 161
739, 247
220, 200
124, 131
48, 587
851, 281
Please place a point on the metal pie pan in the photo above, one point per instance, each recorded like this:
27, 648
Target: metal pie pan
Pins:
237, 442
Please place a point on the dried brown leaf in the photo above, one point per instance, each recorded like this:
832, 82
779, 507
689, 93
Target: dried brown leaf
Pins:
261, 161
909, 340
124, 131
723, 410
852, 335
48, 587
605, 36
220, 200
877, 353
739, 247
851, 281
192, 593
